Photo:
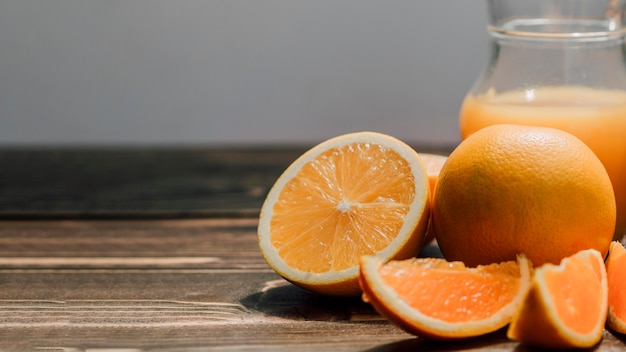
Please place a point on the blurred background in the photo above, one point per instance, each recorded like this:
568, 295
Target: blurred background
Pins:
233, 72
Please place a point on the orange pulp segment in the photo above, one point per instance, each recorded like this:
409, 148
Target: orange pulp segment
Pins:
437, 299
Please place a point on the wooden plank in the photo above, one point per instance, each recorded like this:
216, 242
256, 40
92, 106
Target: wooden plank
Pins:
281, 317
86, 284
140, 182
118, 182
179, 285
192, 243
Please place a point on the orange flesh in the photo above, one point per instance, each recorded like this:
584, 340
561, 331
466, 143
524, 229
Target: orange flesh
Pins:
617, 285
347, 202
450, 291
572, 292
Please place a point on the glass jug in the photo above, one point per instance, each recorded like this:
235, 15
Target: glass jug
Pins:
561, 64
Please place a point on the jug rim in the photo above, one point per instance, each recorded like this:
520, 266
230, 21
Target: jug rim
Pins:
550, 28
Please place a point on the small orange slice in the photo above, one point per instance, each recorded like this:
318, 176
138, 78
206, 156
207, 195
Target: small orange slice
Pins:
566, 306
615, 268
356, 194
436, 299
433, 163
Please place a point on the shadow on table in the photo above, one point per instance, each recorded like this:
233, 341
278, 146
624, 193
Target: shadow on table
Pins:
284, 300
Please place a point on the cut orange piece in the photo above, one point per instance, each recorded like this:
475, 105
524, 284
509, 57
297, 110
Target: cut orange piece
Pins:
433, 163
356, 194
566, 306
437, 299
615, 268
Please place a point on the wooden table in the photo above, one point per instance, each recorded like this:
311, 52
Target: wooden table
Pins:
155, 249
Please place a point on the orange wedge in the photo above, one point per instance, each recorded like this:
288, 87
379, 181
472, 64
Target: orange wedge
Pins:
436, 299
433, 163
615, 268
566, 306
356, 194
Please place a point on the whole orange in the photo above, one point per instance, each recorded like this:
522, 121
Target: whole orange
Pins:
510, 189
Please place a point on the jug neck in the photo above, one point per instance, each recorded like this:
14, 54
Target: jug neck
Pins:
557, 18
522, 57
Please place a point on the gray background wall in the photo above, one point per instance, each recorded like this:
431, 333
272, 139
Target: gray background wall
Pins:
235, 71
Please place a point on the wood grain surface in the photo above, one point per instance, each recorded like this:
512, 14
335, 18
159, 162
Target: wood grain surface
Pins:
135, 183
179, 285
156, 250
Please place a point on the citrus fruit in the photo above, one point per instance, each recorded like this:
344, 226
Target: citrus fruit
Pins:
615, 267
510, 189
433, 164
356, 194
566, 306
437, 299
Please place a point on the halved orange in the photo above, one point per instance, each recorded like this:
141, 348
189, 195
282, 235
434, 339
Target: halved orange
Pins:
437, 299
615, 268
566, 306
356, 194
